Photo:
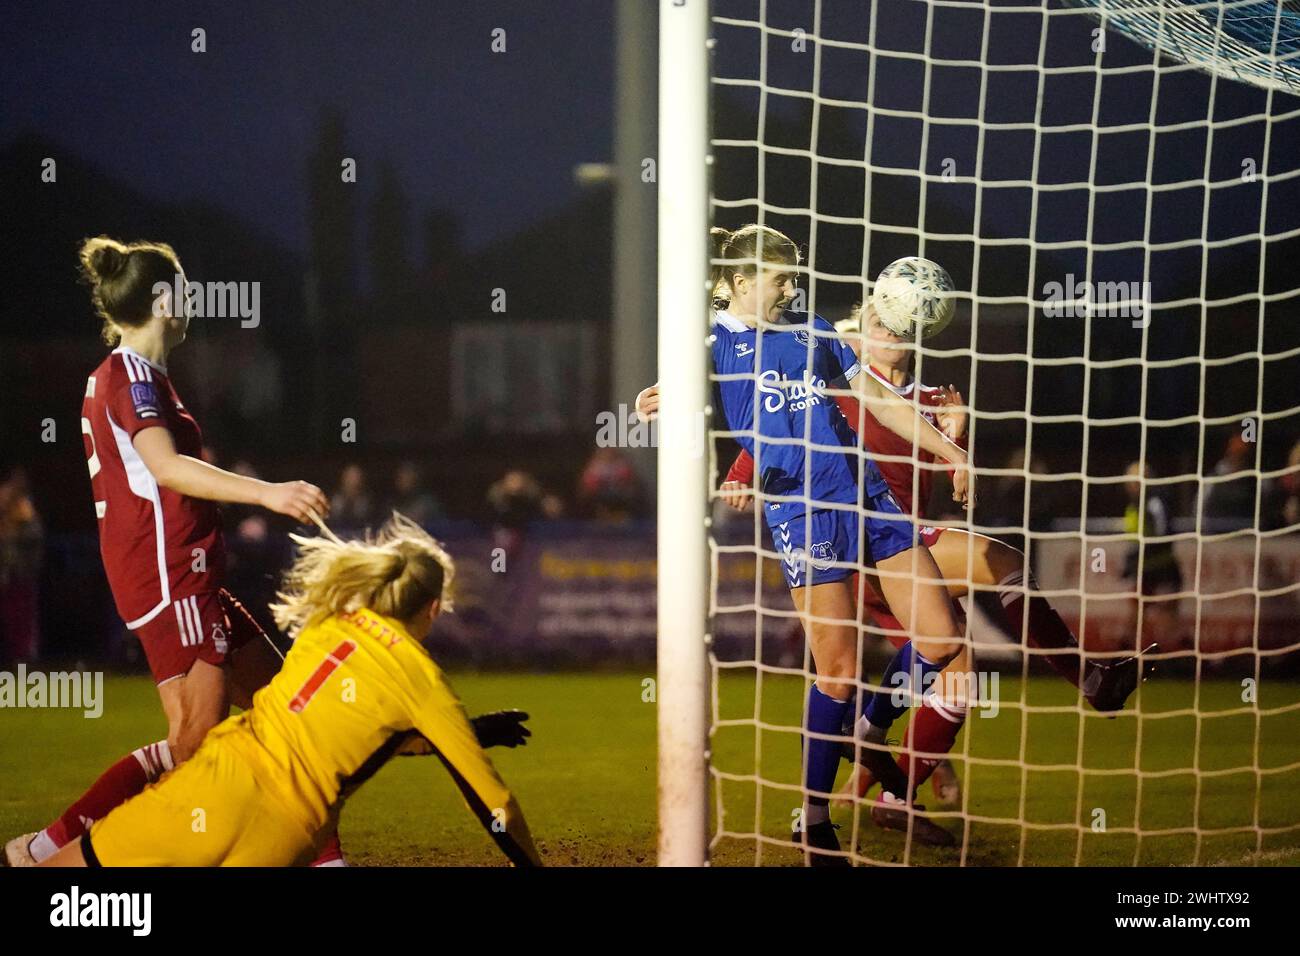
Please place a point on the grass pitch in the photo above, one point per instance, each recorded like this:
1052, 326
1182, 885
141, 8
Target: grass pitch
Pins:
587, 778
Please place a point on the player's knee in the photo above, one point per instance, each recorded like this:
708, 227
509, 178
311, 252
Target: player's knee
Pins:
937, 635
836, 675
186, 734
837, 687
938, 651
1002, 559
182, 745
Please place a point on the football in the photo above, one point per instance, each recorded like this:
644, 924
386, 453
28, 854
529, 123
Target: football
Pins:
914, 295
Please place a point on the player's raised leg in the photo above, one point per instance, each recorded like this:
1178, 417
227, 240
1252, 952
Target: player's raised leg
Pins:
966, 559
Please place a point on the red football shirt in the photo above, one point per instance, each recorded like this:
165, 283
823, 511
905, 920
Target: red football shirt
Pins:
157, 545
881, 441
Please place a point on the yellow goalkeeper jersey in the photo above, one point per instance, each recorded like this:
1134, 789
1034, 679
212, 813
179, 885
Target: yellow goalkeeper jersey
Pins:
354, 690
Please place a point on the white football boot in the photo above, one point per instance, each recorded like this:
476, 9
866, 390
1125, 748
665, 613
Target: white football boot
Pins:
17, 852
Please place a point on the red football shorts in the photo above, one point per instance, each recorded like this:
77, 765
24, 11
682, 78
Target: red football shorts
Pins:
201, 627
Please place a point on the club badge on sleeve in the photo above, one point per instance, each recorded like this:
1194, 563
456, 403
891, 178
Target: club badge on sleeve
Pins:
145, 399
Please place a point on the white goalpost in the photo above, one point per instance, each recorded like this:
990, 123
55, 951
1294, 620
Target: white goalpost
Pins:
1114, 186
682, 680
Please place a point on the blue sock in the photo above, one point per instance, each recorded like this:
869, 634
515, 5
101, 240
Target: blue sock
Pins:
908, 670
825, 716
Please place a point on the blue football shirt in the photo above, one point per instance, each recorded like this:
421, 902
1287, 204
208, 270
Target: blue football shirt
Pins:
802, 445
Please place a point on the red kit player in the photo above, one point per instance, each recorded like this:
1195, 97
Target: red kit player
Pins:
160, 529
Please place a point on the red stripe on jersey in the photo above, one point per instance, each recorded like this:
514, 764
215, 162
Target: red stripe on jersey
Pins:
319, 676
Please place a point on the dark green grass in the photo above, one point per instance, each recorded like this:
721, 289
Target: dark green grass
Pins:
1018, 766
587, 778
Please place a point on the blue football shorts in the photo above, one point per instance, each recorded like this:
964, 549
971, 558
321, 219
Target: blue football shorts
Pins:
823, 546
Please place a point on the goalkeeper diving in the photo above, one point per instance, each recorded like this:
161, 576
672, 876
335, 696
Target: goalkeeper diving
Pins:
357, 688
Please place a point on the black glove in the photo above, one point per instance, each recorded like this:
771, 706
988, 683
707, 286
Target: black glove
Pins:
505, 728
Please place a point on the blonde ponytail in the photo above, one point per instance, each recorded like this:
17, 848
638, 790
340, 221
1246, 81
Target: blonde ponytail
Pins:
394, 573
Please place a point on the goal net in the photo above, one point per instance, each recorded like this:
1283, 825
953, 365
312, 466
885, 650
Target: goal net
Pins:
1114, 187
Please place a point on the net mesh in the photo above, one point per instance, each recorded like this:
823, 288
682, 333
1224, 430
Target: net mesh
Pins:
1121, 218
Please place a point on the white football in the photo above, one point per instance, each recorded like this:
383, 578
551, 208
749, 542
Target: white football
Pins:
914, 294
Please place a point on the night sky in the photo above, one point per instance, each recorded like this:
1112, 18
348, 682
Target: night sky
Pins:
492, 136
495, 137
923, 101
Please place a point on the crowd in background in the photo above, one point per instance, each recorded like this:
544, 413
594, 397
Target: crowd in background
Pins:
609, 491
22, 545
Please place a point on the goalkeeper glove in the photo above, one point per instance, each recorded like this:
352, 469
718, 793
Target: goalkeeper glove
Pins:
505, 728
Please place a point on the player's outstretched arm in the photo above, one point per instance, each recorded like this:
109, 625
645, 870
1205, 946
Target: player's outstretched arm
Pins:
903, 418
501, 728
444, 723
196, 478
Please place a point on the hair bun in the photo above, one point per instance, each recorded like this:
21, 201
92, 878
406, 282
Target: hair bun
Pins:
104, 258
107, 262
718, 239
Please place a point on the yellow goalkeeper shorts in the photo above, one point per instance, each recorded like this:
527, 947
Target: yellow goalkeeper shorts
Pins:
210, 811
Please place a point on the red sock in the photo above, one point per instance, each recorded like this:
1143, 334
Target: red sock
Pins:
116, 785
933, 730
331, 853
1045, 628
